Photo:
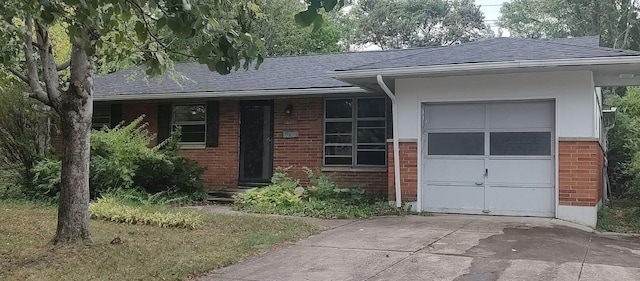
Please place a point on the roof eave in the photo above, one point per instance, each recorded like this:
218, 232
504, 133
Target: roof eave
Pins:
345, 75
233, 94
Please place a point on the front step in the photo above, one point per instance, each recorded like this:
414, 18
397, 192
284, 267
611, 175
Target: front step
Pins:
224, 196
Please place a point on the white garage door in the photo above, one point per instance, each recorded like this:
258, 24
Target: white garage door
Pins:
491, 158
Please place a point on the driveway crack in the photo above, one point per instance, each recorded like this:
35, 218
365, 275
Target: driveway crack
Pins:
584, 259
416, 251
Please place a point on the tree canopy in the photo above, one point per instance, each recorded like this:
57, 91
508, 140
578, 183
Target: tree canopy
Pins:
395, 24
615, 21
115, 30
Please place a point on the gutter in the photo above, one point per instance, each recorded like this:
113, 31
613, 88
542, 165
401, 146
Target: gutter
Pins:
396, 142
232, 94
484, 66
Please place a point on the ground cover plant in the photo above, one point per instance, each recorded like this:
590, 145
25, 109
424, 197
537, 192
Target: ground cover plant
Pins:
322, 198
622, 216
133, 252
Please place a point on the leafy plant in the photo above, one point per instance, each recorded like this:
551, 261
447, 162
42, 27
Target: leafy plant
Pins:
323, 199
109, 208
122, 158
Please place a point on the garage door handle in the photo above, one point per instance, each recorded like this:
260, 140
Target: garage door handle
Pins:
479, 183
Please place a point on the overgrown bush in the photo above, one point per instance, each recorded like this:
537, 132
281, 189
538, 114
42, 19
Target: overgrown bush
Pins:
112, 208
122, 158
323, 198
24, 132
624, 144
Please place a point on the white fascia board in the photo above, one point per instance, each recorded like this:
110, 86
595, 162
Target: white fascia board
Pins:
234, 94
484, 66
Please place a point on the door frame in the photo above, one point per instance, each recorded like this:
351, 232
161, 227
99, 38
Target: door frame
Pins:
253, 181
422, 143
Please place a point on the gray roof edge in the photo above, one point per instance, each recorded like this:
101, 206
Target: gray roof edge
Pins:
234, 94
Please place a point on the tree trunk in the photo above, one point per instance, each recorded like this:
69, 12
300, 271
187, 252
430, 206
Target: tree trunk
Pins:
76, 109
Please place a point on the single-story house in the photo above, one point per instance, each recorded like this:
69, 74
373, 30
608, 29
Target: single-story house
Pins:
503, 126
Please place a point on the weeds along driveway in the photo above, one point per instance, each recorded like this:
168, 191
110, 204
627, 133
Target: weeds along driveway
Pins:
447, 247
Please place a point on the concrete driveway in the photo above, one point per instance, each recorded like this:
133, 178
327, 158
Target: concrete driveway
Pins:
446, 247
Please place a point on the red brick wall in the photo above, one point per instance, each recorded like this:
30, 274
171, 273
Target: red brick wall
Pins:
306, 149
221, 162
408, 171
131, 111
580, 173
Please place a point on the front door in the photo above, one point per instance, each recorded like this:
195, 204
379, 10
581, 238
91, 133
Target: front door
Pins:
256, 142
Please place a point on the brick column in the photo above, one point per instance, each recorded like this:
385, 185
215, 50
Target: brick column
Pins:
580, 173
408, 171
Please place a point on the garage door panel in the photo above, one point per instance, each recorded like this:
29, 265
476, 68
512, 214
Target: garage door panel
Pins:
449, 117
454, 171
520, 172
518, 115
458, 199
531, 201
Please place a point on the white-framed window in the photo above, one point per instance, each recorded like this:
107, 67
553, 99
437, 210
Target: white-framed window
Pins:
101, 117
355, 131
192, 119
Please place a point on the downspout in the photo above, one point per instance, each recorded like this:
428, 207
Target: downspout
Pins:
396, 142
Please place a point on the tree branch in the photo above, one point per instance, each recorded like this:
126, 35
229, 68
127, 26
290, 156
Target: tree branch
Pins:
49, 68
19, 74
63, 66
32, 68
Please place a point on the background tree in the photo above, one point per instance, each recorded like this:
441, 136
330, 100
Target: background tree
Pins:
396, 24
615, 21
27, 51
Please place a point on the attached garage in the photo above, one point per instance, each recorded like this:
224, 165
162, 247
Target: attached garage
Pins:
488, 158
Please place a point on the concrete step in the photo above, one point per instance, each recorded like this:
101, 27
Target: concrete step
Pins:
220, 200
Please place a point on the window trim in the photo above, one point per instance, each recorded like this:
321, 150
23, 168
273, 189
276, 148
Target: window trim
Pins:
354, 134
195, 144
93, 116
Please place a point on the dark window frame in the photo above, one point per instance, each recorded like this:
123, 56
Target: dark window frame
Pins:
203, 122
100, 125
354, 144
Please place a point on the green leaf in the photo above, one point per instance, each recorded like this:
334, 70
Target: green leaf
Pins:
317, 23
330, 4
141, 31
306, 18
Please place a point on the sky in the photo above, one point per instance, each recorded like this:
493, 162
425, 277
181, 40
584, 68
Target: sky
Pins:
491, 10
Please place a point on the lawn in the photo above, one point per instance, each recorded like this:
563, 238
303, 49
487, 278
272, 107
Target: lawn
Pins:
624, 217
146, 252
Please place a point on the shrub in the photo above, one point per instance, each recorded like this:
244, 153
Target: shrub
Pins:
624, 144
323, 199
46, 181
110, 209
122, 158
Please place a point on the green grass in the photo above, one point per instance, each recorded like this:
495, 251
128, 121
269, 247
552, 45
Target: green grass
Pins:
148, 252
624, 217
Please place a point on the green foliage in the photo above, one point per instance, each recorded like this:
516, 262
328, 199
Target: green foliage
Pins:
323, 199
623, 217
624, 144
46, 181
122, 158
111, 209
615, 21
23, 131
398, 24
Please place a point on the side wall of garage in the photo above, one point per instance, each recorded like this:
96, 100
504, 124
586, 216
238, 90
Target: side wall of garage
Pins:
576, 127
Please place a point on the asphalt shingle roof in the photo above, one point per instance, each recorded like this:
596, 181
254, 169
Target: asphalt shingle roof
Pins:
500, 50
277, 73
305, 72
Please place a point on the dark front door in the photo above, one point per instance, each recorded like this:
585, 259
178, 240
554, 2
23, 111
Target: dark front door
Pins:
256, 142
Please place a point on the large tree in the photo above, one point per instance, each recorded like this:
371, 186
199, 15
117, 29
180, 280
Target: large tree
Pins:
395, 24
103, 28
615, 21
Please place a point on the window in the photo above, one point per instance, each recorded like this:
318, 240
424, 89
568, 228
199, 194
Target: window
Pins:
101, 117
355, 132
520, 143
192, 121
456, 143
